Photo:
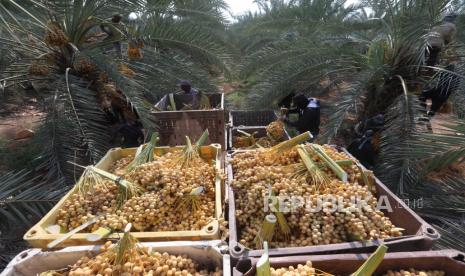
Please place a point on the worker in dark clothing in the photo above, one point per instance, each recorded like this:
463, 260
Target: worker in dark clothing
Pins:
362, 149
115, 31
375, 123
131, 134
187, 88
191, 97
309, 115
286, 102
187, 99
439, 37
446, 84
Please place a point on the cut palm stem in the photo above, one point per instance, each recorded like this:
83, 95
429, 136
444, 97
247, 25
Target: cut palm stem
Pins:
267, 230
191, 152
347, 162
172, 102
88, 181
126, 189
318, 177
371, 264
283, 226
202, 138
340, 173
339, 162
286, 145
98, 234
244, 133
191, 201
368, 178
145, 155
263, 264
247, 140
126, 247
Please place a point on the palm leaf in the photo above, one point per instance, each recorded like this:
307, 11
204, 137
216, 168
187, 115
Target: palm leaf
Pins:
24, 198
452, 234
394, 168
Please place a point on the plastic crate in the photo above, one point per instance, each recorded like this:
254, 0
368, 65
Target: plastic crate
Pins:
174, 126
34, 261
251, 117
38, 237
418, 234
449, 261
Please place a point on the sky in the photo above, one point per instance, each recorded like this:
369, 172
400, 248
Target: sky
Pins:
240, 6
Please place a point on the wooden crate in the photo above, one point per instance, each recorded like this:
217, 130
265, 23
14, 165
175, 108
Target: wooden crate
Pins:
174, 126
38, 237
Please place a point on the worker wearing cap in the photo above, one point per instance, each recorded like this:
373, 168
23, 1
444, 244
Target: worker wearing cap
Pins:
186, 86
309, 115
439, 37
187, 99
192, 94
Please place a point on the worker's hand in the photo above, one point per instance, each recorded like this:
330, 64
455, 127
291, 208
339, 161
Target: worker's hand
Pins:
284, 110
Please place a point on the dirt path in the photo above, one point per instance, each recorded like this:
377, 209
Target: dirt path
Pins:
438, 123
15, 118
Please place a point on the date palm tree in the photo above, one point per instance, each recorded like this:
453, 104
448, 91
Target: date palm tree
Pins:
58, 47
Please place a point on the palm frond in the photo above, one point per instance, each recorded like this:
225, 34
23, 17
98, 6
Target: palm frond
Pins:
60, 142
452, 234
394, 168
161, 73
301, 75
9, 248
88, 117
441, 197
437, 151
201, 46
25, 199
349, 98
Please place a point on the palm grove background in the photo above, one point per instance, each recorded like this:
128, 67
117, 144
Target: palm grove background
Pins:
358, 63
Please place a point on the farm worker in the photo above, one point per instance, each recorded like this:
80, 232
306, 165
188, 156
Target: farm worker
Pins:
115, 32
188, 99
286, 101
439, 37
362, 149
309, 115
193, 97
186, 86
447, 83
131, 134
374, 123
